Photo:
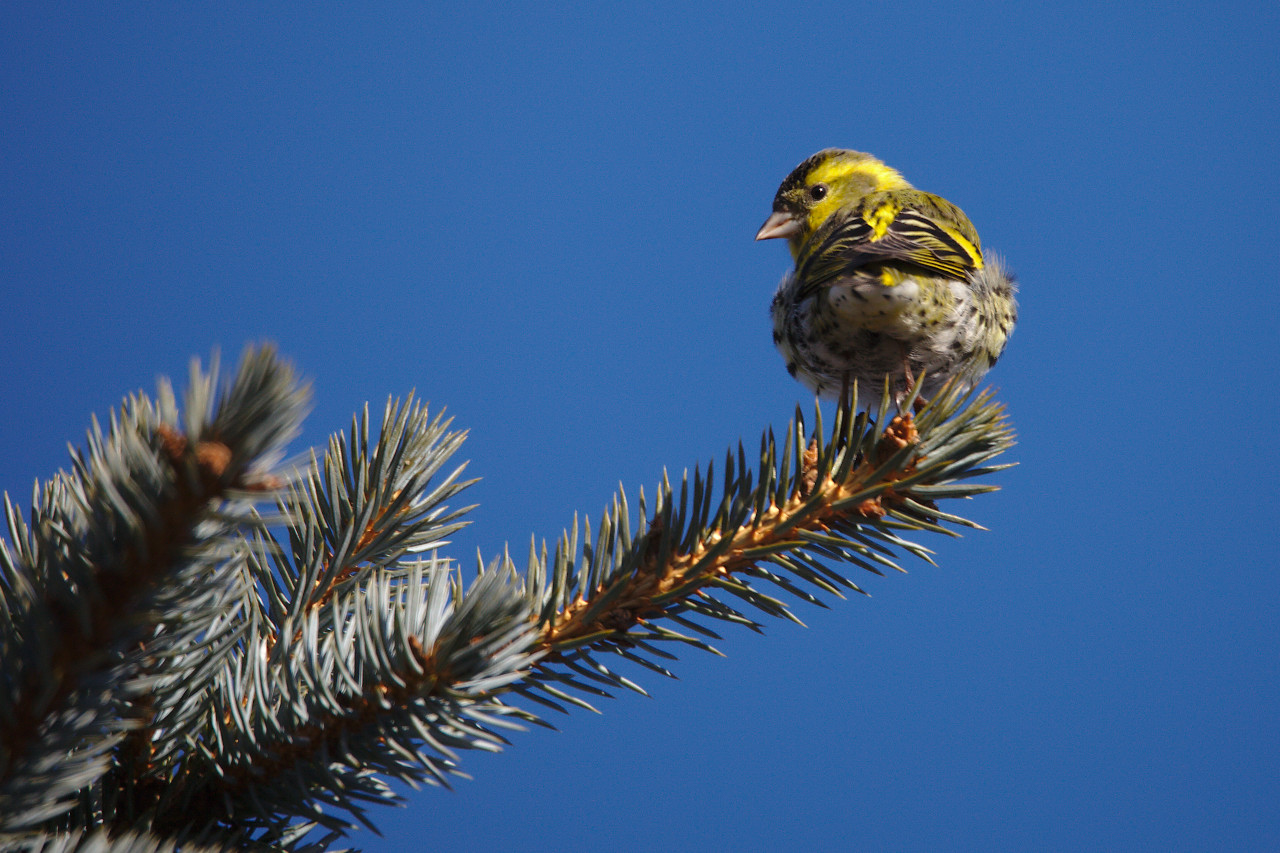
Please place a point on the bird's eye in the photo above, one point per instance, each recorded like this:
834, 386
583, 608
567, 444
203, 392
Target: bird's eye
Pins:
818, 192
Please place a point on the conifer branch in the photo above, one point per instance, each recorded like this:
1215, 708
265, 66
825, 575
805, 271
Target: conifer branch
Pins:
181, 663
145, 510
844, 500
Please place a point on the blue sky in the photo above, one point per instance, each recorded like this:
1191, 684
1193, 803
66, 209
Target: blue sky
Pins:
541, 219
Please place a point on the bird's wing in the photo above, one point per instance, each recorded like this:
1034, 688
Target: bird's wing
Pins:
921, 229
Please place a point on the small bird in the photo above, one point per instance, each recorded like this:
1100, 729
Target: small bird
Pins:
888, 281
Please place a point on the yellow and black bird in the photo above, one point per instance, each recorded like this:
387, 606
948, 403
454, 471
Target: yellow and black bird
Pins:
888, 281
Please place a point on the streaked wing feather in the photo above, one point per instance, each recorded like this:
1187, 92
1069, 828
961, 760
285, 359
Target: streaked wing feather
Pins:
914, 236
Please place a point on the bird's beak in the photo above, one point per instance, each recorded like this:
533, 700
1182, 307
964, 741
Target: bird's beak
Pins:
779, 224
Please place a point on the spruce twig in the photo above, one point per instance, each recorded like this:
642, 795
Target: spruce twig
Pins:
181, 665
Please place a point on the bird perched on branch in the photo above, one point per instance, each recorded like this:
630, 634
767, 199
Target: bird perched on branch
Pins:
888, 281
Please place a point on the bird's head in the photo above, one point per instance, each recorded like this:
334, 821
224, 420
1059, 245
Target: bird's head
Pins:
830, 180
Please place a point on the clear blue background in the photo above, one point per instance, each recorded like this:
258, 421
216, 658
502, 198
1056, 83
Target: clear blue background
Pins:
541, 218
